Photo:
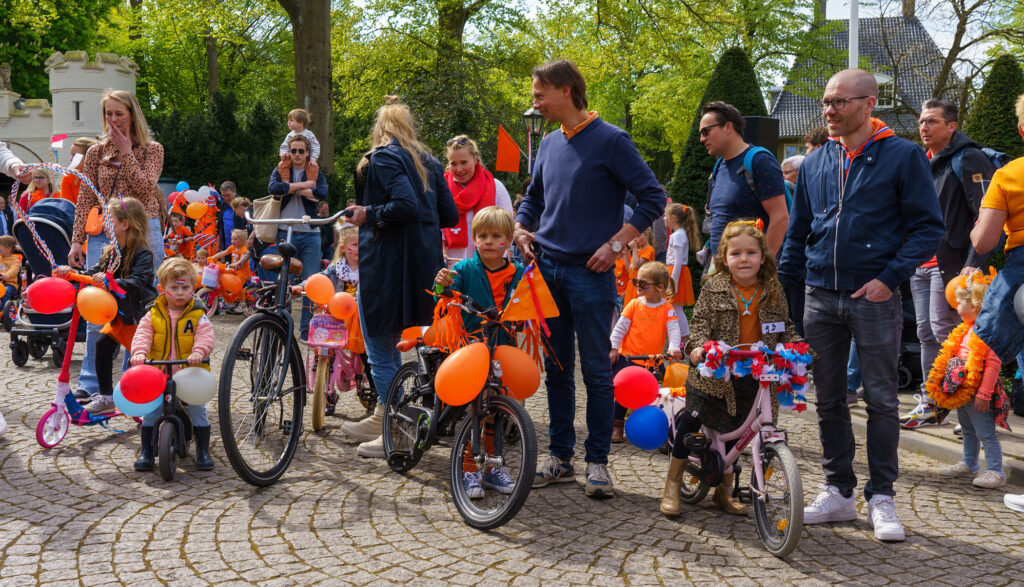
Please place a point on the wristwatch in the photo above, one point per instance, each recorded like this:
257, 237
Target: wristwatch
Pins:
616, 246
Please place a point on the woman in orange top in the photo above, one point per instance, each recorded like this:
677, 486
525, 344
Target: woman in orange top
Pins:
70, 184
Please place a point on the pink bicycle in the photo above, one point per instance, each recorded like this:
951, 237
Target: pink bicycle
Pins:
775, 489
334, 369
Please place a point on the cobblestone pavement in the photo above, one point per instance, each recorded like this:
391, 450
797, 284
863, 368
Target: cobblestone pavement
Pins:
79, 514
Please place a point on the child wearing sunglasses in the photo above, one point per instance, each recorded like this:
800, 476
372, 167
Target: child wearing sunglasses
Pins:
646, 323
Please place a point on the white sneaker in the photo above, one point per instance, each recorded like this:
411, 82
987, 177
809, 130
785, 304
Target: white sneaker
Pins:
366, 429
989, 480
882, 517
1014, 502
3, 423
373, 449
958, 470
830, 506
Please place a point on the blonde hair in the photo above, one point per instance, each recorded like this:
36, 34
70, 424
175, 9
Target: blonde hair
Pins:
494, 218
657, 273
84, 143
1019, 109
240, 201
768, 274
239, 232
686, 219
204, 251
395, 121
974, 295
175, 268
299, 115
32, 187
343, 235
139, 131
462, 143
131, 210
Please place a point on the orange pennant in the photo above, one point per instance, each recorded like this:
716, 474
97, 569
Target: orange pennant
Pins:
531, 299
508, 152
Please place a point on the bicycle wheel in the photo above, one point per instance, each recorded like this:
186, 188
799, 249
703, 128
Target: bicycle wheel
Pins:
780, 515
407, 418
499, 498
167, 450
693, 489
260, 426
210, 299
316, 415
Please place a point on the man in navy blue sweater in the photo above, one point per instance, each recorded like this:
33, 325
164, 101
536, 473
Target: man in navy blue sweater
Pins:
573, 213
865, 216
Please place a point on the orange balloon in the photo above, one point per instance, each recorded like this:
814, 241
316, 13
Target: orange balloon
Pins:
463, 374
96, 305
196, 210
319, 288
342, 305
518, 371
231, 283
3, 290
951, 287
430, 336
412, 332
675, 375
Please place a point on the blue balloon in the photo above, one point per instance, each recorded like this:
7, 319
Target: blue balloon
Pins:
133, 409
182, 186
647, 428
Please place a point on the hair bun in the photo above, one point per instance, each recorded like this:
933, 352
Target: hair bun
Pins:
391, 100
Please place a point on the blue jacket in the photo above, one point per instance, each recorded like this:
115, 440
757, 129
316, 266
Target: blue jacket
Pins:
882, 224
471, 279
581, 183
280, 188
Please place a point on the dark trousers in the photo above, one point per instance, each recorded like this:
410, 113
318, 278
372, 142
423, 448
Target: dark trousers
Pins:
106, 350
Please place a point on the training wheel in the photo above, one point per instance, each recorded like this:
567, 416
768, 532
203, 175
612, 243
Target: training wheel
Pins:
52, 427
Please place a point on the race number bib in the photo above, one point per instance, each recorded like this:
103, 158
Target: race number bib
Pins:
773, 327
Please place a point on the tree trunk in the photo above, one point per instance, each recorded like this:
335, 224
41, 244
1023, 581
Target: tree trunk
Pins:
212, 67
311, 34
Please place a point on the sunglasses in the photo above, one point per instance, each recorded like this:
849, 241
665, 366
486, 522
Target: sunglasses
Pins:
298, 151
640, 284
704, 132
457, 141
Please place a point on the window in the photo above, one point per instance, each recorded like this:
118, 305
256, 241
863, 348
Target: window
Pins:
792, 150
78, 110
886, 91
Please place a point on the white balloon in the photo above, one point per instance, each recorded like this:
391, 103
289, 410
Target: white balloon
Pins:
195, 385
1018, 304
193, 196
204, 191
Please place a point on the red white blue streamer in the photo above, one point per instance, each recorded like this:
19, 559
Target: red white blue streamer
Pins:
786, 366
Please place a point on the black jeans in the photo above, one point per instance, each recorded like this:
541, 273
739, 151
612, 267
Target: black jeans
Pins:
106, 350
830, 319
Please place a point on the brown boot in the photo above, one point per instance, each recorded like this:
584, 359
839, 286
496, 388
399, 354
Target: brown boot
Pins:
723, 497
618, 431
673, 487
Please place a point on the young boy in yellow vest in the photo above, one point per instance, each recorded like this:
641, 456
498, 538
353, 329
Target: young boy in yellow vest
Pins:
175, 327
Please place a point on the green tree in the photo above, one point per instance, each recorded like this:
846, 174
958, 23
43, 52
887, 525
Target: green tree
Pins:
992, 121
733, 81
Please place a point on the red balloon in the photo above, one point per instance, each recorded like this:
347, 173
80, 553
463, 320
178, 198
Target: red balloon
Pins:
142, 384
50, 295
635, 387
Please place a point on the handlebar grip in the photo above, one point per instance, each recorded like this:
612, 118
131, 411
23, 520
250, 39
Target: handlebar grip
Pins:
744, 354
347, 213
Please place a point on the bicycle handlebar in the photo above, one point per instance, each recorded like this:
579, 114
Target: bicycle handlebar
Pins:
645, 357
156, 363
468, 304
304, 220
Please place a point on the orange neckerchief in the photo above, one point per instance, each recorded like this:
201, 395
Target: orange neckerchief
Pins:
571, 132
881, 131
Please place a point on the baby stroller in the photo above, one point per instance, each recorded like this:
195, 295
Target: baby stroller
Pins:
33, 332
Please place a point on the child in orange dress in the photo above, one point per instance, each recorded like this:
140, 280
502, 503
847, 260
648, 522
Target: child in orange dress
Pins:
684, 235
239, 264
180, 240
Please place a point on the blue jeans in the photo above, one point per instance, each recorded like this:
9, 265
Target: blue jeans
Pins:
980, 428
307, 250
87, 375
831, 319
935, 318
195, 413
384, 358
585, 301
997, 323
853, 369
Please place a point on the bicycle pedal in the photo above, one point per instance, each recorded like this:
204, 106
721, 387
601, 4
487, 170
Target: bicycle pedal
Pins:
398, 459
744, 495
695, 441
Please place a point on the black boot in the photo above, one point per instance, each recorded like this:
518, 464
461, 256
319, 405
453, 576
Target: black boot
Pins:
204, 462
145, 460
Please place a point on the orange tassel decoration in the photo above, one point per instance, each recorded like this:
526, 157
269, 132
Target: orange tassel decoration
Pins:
450, 333
975, 367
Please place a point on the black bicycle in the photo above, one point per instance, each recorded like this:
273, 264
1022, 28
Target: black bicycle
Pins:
494, 452
174, 427
262, 389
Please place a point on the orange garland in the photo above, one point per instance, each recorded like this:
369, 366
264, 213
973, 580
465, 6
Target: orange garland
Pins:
975, 366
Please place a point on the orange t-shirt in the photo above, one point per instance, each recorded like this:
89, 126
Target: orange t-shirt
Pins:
621, 275
750, 324
236, 256
1004, 193
186, 249
69, 186
648, 328
500, 281
630, 294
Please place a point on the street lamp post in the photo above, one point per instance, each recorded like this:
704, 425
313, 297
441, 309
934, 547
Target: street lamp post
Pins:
534, 121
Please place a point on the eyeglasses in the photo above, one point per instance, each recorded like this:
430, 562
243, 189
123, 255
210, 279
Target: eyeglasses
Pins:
839, 103
639, 284
930, 122
457, 141
298, 151
704, 132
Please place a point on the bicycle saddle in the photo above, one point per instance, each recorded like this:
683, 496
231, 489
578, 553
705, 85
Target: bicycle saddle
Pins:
273, 263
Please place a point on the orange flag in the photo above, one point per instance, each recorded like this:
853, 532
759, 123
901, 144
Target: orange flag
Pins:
531, 299
508, 152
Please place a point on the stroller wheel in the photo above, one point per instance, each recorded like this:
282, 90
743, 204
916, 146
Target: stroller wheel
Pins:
37, 349
19, 352
7, 317
58, 353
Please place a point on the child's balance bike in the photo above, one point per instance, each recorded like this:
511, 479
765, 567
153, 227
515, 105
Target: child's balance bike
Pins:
173, 429
775, 490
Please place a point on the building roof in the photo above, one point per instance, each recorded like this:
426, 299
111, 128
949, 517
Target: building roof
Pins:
898, 47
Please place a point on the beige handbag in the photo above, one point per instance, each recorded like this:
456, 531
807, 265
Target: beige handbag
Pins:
266, 208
